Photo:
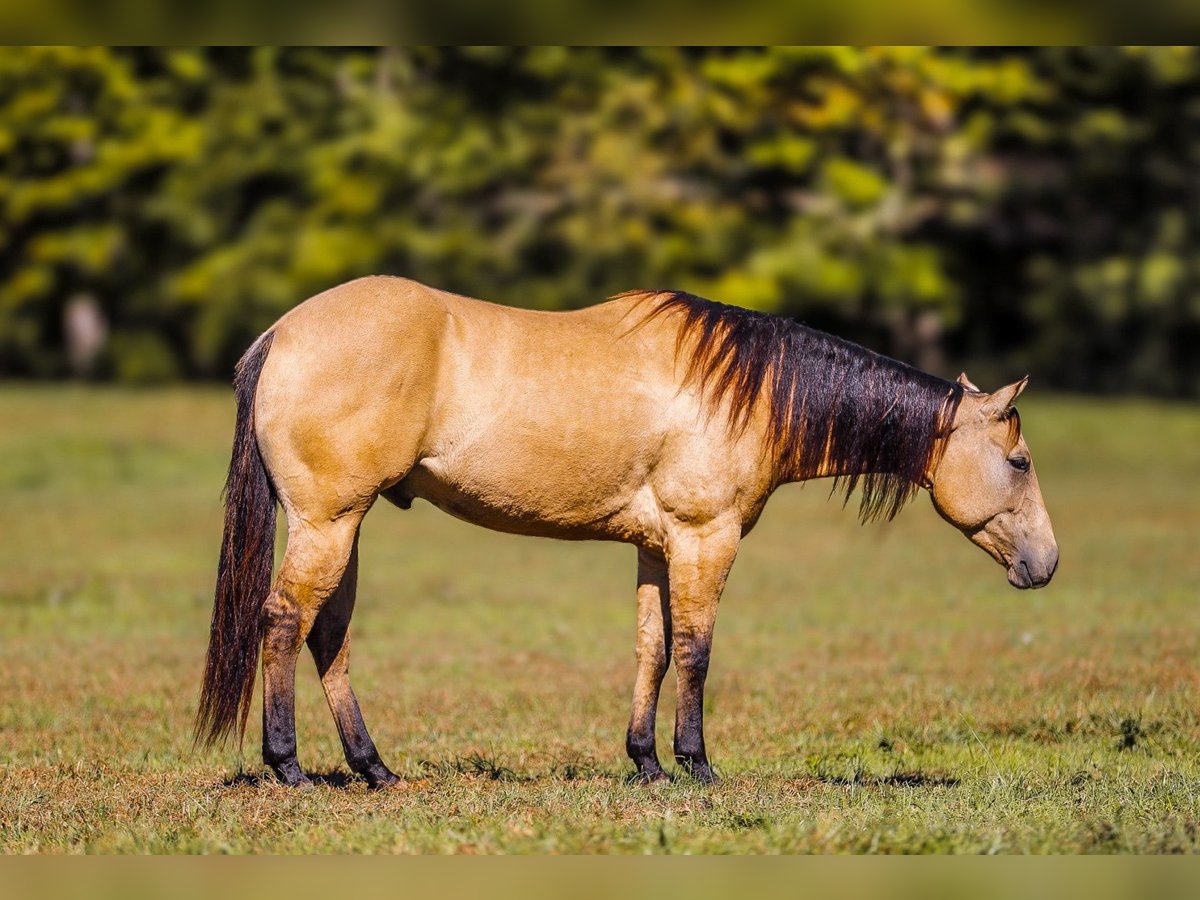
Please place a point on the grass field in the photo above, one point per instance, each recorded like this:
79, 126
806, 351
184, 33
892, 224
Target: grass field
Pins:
872, 689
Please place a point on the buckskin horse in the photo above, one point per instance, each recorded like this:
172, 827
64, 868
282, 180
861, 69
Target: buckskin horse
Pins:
657, 418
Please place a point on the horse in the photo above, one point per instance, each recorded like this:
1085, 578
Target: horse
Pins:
657, 418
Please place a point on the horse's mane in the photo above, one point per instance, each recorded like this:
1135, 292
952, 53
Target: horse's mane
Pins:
833, 405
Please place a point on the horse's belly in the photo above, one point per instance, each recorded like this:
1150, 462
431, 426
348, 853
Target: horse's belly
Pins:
537, 505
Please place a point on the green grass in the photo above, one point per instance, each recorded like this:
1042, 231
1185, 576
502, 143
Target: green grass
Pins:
872, 689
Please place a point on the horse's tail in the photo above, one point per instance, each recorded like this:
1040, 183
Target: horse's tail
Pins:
244, 572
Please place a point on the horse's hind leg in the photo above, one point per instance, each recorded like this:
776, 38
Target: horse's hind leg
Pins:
329, 642
316, 558
653, 657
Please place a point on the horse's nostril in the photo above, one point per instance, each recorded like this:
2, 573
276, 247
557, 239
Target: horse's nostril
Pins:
1025, 569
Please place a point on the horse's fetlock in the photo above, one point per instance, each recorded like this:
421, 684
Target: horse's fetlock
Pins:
288, 772
639, 746
278, 756
361, 762
689, 750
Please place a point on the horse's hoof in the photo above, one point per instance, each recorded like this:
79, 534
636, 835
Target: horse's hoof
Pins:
700, 771
380, 778
289, 774
646, 778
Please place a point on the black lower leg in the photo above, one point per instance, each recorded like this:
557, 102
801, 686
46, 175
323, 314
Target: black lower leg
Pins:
279, 690
329, 642
691, 661
640, 747
361, 754
279, 743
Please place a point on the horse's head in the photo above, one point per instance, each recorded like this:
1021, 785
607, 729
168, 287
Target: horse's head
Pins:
985, 485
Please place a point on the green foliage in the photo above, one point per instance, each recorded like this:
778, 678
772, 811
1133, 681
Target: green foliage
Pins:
1015, 208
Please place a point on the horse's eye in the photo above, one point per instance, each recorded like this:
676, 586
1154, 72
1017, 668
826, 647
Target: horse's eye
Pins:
1020, 463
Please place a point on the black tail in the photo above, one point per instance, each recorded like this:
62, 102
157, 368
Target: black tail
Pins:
244, 572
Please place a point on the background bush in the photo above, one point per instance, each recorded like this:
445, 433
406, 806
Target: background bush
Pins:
1009, 210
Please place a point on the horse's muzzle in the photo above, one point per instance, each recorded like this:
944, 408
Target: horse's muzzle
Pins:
1025, 574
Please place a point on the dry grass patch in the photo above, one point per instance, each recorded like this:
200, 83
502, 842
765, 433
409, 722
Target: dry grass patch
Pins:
875, 689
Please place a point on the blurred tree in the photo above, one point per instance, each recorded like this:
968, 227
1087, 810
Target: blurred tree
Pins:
1085, 264
1031, 209
83, 133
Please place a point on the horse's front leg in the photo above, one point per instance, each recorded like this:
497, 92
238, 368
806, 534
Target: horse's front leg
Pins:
699, 562
653, 657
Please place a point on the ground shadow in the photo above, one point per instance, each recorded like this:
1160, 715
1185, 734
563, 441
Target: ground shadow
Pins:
896, 779
471, 766
340, 780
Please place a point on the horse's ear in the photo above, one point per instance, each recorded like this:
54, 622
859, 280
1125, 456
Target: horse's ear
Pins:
999, 403
967, 383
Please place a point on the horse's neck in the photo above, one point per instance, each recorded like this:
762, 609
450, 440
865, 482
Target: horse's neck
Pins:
848, 443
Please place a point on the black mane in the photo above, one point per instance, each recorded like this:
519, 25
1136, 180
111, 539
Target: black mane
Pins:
832, 404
